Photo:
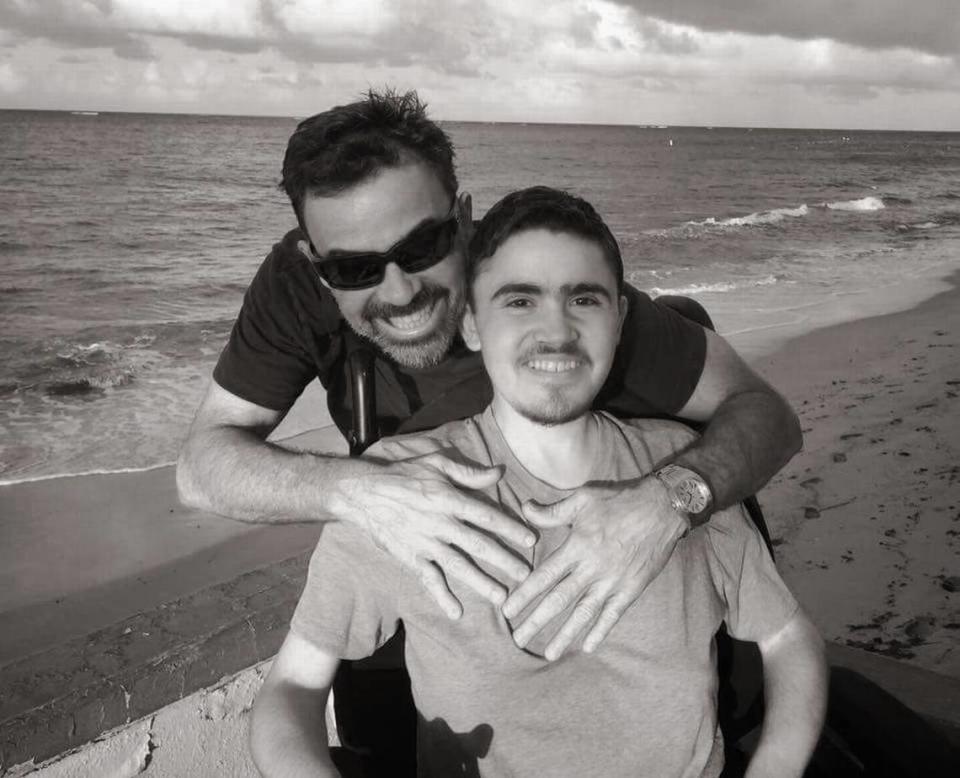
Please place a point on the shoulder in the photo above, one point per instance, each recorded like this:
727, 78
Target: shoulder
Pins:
660, 438
285, 283
460, 440
654, 316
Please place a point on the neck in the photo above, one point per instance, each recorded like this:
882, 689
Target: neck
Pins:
561, 455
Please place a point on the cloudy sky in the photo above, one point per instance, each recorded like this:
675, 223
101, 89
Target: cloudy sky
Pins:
817, 63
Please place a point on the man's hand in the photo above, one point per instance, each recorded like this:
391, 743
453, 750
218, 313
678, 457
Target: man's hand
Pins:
621, 537
417, 511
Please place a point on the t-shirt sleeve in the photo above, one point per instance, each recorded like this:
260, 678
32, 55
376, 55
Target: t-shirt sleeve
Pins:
658, 362
268, 359
350, 602
758, 602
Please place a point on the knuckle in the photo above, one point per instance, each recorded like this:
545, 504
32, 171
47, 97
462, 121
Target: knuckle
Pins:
585, 612
432, 489
475, 545
557, 599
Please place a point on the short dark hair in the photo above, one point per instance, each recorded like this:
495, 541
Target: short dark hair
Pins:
336, 149
540, 207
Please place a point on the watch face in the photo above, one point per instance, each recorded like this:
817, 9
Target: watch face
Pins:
693, 499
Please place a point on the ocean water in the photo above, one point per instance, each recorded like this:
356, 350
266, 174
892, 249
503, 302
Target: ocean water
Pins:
126, 242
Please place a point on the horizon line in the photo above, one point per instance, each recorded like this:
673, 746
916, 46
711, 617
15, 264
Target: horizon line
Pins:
643, 125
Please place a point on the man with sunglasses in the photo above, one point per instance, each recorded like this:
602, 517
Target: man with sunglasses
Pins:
379, 259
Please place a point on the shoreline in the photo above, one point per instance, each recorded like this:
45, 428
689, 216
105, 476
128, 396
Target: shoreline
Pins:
81, 552
755, 344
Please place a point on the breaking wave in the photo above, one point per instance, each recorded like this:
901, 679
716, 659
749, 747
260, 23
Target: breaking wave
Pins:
760, 217
773, 216
716, 287
863, 204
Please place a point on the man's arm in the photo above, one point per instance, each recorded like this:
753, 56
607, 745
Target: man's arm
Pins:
288, 731
417, 510
795, 695
751, 430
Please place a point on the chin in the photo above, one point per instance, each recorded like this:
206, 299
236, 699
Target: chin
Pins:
556, 411
428, 352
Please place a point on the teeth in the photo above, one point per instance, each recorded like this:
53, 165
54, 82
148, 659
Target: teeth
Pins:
553, 365
413, 320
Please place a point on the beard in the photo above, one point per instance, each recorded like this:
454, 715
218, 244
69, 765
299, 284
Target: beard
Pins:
557, 404
558, 408
426, 351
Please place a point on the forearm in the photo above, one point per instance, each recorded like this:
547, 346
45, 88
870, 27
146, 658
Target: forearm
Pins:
288, 734
795, 694
234, 472
751, 436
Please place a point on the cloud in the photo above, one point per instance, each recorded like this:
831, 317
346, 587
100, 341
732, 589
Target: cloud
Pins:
923, 25
481, 57
10, 80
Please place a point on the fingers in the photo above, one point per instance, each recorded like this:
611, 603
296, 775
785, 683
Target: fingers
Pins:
457, 566
481, 548
556, 601
582, 617
550, 571
558, 514
614, 608
493, 520
466, 476
436, 586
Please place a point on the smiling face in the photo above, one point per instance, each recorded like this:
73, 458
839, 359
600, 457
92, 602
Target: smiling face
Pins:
413, 317
546, 316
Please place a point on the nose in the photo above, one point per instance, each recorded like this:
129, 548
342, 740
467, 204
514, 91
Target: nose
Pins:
397, 287
556, 325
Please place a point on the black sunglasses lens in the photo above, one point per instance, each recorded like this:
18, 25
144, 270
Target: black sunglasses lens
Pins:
352, 273
427, 248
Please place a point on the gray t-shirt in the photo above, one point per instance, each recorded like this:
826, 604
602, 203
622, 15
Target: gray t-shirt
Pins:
643, 704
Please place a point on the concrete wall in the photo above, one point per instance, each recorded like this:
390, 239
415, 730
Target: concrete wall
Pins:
204, 734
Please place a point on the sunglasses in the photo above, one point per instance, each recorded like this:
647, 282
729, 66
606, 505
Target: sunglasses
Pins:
423, 248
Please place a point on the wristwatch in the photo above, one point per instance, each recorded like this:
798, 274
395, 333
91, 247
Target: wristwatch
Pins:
689, 493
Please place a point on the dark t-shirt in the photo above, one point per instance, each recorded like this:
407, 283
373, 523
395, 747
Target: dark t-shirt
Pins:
289, 331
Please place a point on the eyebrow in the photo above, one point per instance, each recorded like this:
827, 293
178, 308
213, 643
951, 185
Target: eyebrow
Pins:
568, 290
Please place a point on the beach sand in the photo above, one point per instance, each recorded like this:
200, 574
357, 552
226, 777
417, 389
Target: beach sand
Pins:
866, 519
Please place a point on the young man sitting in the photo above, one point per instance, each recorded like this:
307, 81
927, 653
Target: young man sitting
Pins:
545, 308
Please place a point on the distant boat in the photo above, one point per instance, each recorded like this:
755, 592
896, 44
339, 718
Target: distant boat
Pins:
85, 113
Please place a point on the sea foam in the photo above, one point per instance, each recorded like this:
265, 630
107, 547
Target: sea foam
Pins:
863, 204
717, 287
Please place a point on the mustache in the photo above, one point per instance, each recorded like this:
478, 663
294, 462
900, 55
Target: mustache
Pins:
377, 309
569, 349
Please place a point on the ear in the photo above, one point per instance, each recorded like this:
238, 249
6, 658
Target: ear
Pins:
304, 248
468, 330
465, 216
624, 309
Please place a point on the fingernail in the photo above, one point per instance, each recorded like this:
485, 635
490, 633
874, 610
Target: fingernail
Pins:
507, 610
520, 641
551, 654
529, 540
